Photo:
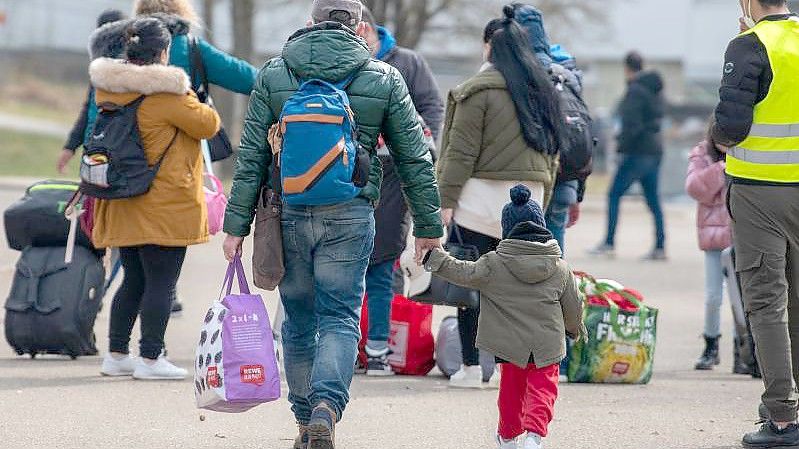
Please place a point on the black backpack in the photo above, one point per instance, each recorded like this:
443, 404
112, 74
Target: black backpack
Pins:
114, 165
576, 155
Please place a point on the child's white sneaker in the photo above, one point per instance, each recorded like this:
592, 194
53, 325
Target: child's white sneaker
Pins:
160, 369
118, 366
493, 382
467, 377
533, 441
503, 444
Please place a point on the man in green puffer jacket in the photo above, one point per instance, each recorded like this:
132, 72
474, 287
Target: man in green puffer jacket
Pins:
327, 248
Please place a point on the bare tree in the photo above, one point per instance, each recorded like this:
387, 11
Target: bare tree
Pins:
243, 13
565, 16
408, 18
208, 18
411, 19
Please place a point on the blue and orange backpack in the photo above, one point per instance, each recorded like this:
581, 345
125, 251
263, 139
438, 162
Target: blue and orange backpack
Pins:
315, 146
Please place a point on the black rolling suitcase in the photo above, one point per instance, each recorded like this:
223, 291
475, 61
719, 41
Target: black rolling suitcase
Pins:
52, 305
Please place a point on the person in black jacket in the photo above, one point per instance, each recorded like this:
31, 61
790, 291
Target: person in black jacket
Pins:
641, 149
79, 132
391, 217
755, 127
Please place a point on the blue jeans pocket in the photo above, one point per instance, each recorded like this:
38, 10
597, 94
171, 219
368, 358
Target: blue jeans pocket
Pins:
289, 228
348, 240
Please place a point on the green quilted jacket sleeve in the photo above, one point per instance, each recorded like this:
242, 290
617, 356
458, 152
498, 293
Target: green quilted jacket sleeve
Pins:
254, 159
405, 139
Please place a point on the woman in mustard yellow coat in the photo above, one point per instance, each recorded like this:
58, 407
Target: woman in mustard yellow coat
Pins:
153, 230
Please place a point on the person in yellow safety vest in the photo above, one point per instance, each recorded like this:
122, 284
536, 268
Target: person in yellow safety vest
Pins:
756, 125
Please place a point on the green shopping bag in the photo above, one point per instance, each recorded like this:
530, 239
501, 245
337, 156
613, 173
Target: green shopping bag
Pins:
620, 345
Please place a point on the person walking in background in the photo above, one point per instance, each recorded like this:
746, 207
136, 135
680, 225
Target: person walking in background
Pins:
391, 216
80, 130
756, 126
530, 302
504, 126
327, 248
415, 71
707, 184
153, 230
641, 150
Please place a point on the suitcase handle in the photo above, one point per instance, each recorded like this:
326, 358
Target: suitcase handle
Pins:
72, 212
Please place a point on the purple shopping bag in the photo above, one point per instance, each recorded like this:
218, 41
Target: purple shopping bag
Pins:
235, 365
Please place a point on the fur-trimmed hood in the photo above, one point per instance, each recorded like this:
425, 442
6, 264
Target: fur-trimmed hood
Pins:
108, 41
120, 77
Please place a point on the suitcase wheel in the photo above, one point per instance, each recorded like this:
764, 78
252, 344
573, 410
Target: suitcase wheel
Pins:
20, 352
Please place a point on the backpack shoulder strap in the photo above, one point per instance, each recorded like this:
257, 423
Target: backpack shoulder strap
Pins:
157, 165
137, 102
198, 67
108, 106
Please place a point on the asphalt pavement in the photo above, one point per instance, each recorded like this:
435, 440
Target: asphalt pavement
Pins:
54, 402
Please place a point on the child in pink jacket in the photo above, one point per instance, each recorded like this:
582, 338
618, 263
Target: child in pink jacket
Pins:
707, 184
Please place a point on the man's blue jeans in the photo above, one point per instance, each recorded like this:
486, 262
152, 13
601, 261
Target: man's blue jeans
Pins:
327, 250
380, 291
645, 169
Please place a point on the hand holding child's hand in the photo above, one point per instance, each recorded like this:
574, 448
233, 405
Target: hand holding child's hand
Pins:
423, 246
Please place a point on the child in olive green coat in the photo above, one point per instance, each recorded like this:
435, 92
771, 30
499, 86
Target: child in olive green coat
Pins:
529, 301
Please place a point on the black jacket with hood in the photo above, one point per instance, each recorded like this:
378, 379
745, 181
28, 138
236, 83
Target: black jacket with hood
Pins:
641, 112
391, 217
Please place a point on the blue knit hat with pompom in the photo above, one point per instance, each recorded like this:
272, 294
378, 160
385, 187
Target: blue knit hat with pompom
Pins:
521, 209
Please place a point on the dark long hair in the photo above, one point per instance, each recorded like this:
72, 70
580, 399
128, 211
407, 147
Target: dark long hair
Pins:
530, 86
147, 38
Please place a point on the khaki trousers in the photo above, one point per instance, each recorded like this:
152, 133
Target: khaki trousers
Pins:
766, 235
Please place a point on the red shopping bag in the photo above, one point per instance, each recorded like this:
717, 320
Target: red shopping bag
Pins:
410, 337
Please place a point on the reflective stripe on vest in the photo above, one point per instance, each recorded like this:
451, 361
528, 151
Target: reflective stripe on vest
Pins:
771, 151
765, 157
775, 131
